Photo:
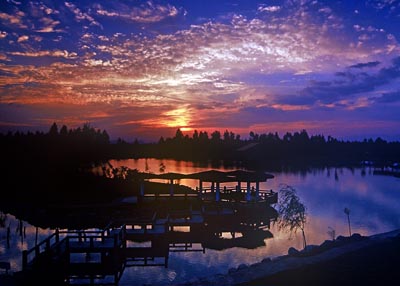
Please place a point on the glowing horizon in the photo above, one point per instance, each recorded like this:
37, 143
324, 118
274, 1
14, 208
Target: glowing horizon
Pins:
143, 69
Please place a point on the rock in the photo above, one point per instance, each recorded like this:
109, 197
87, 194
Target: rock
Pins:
203, 280
219, 276
232, 270
218, 279
310, 249
193, 281
266, 260
356, 237
242, 266
279, 258
293, 251
327, 244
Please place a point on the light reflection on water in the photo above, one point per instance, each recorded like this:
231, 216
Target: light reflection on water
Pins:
19, 241
374, 202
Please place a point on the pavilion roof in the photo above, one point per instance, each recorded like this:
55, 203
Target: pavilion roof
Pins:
230, 176
213, 176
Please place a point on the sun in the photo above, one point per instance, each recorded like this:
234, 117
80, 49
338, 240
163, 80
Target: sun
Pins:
179, 118
186, 129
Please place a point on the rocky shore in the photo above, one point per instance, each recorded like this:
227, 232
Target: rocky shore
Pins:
334, 262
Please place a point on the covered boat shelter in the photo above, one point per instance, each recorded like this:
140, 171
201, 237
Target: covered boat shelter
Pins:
215, 178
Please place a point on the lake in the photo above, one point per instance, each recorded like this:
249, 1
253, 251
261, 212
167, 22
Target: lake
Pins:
373, 201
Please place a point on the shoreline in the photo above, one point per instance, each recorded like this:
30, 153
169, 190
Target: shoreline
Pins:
278, 269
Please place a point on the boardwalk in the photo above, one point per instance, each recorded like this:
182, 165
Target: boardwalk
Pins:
172, 222
95, 255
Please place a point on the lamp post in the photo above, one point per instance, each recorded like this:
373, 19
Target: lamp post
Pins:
347, 212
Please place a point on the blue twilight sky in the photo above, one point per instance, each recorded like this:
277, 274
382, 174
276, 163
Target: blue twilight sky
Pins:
142, 69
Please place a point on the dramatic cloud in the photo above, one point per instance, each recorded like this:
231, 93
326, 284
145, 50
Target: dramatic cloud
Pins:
48, 25
13, 20
163, 65
23, 39
56, 53
365, 65
345, 85
391, 97
81, 16
147, 12
264, 8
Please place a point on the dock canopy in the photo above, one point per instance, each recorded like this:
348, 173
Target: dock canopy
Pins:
210, 176
247, 176
165, 176
213, 176
170, 176
231, 176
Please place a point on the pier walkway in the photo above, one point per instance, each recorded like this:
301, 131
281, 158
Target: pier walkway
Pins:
93, 256
166, 223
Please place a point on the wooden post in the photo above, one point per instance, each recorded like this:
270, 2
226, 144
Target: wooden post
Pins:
8, 236
24, 259
217, 194
67, 250
115, 240
257, 189
124, 236
239, 186
171, 188
57, 235
142, 188
248, 193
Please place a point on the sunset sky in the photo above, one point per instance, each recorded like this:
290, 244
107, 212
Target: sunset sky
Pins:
143, 69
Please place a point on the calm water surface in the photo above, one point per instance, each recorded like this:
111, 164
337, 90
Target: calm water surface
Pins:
374, 202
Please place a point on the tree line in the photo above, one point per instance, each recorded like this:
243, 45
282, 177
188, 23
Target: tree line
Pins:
56, 166
270, 148
88, 144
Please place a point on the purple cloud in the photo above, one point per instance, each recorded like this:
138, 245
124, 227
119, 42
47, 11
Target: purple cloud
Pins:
365, 65
345, 85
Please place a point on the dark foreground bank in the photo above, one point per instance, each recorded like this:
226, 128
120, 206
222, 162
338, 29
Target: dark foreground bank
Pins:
376, 264
355, 260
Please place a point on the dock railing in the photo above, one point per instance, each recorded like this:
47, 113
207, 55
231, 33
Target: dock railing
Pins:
61, 241
43, 246
236, 194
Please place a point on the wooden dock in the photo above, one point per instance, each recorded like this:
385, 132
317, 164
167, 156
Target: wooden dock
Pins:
93, 256
186, 221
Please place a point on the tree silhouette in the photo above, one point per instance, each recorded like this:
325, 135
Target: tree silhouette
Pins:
64, 130
53, 130
347, 212
292, 212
